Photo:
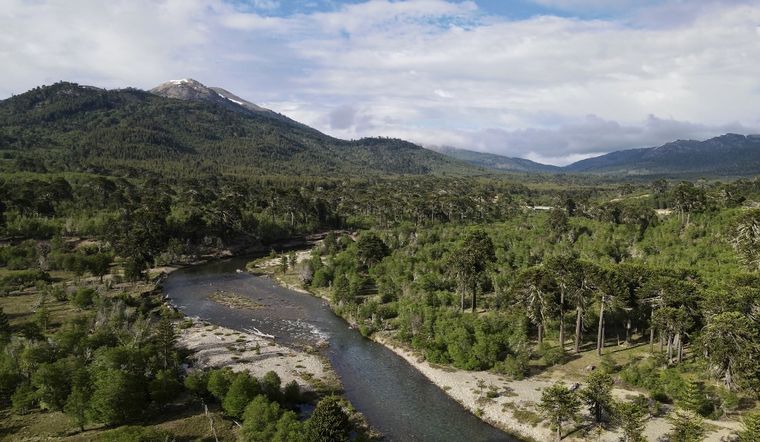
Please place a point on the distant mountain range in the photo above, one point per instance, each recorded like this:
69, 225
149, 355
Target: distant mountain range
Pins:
726, 155
496, 162
186, 126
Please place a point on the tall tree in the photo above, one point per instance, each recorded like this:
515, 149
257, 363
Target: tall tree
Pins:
565, 271
370, 250
470, 261
535, 294
609, 287
166, 341
688, 199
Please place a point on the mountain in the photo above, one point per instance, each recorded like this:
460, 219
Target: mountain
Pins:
726, 155
193, 90
185, 128
497, 162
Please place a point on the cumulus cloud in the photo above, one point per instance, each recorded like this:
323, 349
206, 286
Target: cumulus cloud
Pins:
551, 87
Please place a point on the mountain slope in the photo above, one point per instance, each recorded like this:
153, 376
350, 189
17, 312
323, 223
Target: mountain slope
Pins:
726, 155
193, 90
497, 162
71, 127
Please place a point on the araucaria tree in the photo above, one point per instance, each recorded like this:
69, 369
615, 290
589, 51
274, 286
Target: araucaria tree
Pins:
559, 404
746, 238
598, 396
730, 343
535, 295
470, 261
609, 287
565, 270
686, 426
630, 416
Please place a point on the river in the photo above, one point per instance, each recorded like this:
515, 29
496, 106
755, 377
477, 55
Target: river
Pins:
395, 398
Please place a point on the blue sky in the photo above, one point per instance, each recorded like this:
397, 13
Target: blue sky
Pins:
549, 80
514, 9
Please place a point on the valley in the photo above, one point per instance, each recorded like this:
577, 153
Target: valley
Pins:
144, 235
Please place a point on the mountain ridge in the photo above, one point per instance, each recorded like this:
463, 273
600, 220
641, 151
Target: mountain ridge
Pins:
66, 126
725, 155
495, 161
728, 154
186, 121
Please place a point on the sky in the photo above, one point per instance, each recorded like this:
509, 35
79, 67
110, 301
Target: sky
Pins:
553, 81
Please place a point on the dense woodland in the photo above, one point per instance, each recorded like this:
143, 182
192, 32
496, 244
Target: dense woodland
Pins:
537, 288
479, 272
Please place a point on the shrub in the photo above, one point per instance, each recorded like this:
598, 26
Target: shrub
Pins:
553, 356
84, 298
513, 365
292, 393
197, 383
270, 386
23, 399
164, 387
219, 382
260, 419
242, 391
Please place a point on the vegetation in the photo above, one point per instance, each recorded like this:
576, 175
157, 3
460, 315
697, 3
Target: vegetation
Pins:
96, 188
559, 404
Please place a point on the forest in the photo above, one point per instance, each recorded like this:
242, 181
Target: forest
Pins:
510, 276
662, 276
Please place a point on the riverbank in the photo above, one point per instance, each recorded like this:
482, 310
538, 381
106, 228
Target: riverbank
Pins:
507, 404
513, 409
214, 346
238, 344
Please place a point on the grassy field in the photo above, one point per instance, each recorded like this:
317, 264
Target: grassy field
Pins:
185, 423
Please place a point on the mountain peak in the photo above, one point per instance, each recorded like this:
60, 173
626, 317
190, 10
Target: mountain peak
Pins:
186, 89
194, 90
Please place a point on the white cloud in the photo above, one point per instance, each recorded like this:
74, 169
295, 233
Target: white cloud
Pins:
112, 44
430, 71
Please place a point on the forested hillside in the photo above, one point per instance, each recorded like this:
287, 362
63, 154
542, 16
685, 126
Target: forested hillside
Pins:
727, 155
68, 127
498, 162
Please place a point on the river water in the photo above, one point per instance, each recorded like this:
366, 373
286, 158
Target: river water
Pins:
395, 398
